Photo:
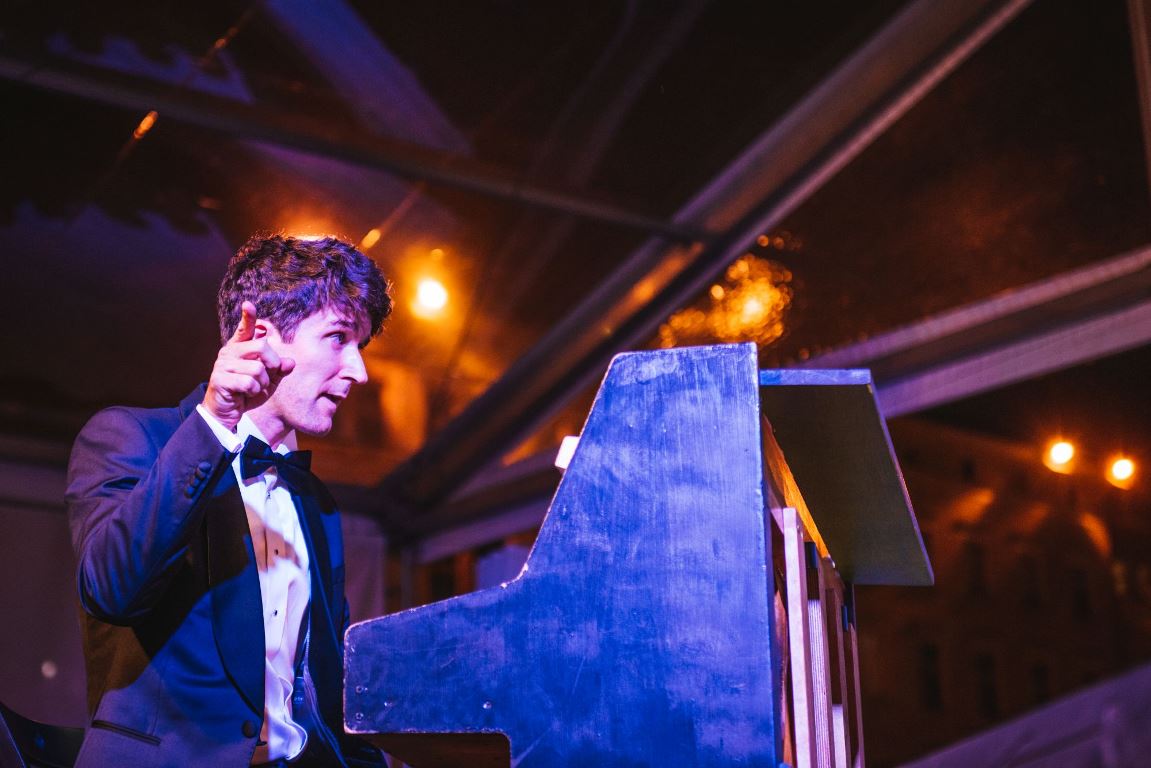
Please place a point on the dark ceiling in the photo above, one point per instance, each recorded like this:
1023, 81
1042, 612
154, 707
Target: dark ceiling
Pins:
1025, 162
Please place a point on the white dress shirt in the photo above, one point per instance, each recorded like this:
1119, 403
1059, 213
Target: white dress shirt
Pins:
285, 586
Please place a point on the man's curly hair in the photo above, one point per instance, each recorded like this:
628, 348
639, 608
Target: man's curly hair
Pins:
290, 279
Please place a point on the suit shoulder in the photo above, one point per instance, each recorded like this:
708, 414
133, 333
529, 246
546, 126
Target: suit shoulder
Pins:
156, 423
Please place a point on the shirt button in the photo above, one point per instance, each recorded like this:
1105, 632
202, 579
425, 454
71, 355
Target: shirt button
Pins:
248, 729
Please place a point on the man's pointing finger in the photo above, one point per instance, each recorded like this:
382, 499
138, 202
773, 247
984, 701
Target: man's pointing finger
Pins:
246, 330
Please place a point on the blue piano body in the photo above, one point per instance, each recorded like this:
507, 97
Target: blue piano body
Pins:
643, 629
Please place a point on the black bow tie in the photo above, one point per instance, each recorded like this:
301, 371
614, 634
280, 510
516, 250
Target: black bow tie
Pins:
292, 468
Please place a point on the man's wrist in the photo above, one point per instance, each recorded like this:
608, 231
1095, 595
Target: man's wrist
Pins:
225, 433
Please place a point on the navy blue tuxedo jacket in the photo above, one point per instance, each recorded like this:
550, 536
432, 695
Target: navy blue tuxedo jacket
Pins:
172, 620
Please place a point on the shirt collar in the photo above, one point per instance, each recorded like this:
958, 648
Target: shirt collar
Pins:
246, 428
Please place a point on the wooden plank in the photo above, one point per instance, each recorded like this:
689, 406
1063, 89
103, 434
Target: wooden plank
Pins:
799, 640
821, 666
843, 705
854, 719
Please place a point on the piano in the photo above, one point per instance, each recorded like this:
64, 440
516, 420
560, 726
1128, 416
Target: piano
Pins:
688, 601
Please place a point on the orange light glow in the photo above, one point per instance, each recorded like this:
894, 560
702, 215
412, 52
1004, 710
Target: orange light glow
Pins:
431, 298
371, 238
1097, 533
644, 291
1060, 456
1121, 472
307, 225
145, 125
749, 304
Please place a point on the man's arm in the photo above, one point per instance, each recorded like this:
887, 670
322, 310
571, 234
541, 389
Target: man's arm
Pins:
133, 505
134, 500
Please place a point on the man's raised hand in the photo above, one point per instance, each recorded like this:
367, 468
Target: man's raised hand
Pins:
246, 372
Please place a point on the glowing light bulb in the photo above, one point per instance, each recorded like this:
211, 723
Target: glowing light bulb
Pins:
1121, 472
431, 298
1062, 452
1059, 456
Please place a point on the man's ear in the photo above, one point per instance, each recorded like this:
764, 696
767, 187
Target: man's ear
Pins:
264, 328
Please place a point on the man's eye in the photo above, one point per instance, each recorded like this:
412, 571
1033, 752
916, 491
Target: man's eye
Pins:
339, 337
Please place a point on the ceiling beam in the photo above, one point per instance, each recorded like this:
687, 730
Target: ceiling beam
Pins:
1053, 350
1046, 326
370, 80
1052, 324
869, 91
325, 140
1071, 296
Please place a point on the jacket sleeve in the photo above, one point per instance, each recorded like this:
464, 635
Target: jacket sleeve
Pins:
133, 505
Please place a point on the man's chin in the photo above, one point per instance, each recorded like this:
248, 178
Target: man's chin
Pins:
318, 429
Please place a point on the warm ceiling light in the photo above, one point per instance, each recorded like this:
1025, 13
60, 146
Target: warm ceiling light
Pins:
145, 125
1121, 472
431, 297
1059, 456
371, 238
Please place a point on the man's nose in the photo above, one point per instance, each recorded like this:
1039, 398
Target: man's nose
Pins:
354, 368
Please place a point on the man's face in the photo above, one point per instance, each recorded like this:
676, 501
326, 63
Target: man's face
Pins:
326, 350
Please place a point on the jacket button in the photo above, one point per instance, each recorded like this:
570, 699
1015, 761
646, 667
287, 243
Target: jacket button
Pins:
248, 729
190, 491
205, 467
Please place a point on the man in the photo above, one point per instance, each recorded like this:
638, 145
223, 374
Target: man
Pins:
211, 566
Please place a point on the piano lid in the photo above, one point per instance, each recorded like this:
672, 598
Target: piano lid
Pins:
828, 425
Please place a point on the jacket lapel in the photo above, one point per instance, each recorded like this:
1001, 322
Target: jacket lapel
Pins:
326, 609
237, 610
319, 554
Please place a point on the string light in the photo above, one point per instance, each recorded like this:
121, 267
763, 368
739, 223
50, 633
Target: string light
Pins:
1059, 456
1121, 472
